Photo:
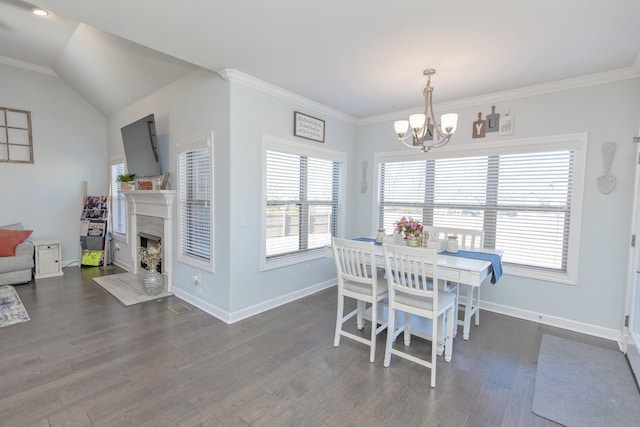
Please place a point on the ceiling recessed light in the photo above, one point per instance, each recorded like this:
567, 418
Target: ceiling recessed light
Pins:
39, 12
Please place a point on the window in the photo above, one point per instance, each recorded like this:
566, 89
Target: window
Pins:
195, 210
524, 195
16, 144
118, 203
303, 209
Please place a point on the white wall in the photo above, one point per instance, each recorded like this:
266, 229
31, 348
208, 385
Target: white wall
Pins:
69, 147
607, 112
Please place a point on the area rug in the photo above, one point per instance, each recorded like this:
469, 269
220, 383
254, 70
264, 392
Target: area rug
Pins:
127, 288
11, 309
581, 385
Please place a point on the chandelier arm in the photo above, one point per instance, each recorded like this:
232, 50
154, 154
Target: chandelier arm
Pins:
403, 140
429, 112
438, 144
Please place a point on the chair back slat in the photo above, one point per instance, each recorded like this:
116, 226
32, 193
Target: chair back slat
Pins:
355, 261
412, 270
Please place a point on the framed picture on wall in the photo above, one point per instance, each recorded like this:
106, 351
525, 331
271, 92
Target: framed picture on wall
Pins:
308, 127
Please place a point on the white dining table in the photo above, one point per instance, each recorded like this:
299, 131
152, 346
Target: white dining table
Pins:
468, 272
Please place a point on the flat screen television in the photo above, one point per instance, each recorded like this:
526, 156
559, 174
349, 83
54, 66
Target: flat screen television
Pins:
141, 147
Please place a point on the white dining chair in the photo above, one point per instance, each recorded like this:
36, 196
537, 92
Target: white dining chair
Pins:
468, 239
411, 273
358, 279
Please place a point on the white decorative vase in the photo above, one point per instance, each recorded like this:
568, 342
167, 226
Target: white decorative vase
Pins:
452, 244
153, 282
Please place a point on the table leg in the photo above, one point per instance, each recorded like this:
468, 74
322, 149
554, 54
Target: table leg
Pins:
478, 307
468, 312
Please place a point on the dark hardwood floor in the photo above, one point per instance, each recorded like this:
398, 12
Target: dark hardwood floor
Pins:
84, 359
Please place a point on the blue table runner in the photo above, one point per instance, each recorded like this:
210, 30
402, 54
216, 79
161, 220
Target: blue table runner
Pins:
496, 262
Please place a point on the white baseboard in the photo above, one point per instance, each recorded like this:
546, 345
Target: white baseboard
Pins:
124, 265
634, 356
202, 305
559, 322
247, 312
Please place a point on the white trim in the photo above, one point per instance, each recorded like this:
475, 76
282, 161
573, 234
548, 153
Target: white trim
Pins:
301, 149
238, 77
233, 317
507, 95
558, 322
122, 264
123, 237
574, 141
196, 143
28, 66
633, 355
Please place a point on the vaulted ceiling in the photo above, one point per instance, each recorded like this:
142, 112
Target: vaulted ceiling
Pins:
360, 57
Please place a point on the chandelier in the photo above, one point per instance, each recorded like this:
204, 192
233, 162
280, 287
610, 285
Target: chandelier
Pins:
422, 125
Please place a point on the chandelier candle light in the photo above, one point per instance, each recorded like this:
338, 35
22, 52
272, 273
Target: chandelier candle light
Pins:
422, 125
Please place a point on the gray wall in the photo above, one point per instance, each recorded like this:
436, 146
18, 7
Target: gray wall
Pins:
254, 114
607, 112
191, 107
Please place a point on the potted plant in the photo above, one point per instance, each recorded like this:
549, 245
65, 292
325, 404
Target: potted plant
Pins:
126, 181
410, 230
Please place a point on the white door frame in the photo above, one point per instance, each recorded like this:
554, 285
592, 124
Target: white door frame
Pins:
630, 338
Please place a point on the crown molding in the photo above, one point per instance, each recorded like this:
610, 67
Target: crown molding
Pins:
507, 95
27, 66
235, 76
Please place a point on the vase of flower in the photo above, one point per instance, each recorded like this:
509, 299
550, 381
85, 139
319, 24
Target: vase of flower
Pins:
410, 230
153, 280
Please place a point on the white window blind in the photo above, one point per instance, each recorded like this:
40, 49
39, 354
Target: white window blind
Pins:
522, 201
195, 206
118, 202
303, 205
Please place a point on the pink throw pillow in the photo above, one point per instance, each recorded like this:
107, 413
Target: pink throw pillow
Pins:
9, 239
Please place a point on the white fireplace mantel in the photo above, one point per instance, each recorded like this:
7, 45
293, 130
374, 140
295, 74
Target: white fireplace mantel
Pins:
158, 204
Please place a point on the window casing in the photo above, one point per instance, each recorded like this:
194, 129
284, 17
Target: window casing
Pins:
526, 196
303, 192
195, 203
16, 139
118, 203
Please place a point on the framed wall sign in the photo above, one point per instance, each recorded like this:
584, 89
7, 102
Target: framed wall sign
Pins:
308, 127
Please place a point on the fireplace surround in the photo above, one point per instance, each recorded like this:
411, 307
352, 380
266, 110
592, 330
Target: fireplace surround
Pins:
151, 214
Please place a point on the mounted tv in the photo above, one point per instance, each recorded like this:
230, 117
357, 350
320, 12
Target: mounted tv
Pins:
141, 147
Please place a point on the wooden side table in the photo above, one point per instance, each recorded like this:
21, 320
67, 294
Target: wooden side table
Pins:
48, 255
